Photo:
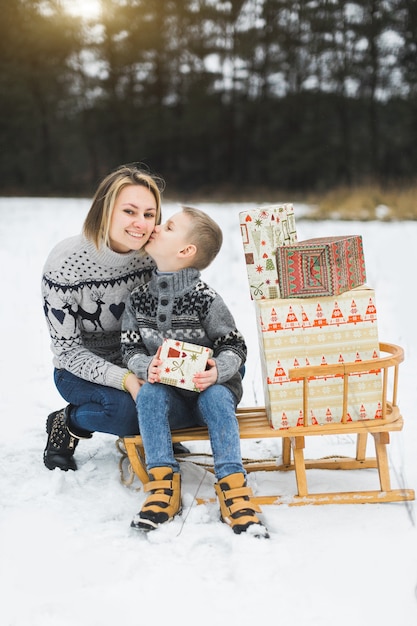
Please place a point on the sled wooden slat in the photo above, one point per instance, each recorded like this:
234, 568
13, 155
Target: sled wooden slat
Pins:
254, 424
347, 497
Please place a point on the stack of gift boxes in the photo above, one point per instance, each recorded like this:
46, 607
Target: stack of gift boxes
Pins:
312, 308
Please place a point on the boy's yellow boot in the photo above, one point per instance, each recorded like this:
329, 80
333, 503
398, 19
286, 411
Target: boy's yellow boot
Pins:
164, 500
236, 507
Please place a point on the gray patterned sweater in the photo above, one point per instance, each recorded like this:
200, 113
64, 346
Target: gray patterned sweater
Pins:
84, 294
181, 306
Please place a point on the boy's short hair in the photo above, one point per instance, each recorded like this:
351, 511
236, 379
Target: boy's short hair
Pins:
206, 235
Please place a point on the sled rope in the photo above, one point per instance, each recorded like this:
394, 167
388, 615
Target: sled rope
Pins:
184, 518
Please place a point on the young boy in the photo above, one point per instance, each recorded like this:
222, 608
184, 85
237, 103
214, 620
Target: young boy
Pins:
177, 304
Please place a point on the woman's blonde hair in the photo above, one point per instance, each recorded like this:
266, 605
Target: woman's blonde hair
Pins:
97, 223
205, 234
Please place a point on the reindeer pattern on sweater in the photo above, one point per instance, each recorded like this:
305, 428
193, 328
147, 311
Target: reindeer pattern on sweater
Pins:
84, 293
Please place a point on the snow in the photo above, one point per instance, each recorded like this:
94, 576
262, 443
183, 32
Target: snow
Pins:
68, 555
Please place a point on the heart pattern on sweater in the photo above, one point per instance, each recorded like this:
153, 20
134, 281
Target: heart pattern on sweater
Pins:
117, 309
59, 314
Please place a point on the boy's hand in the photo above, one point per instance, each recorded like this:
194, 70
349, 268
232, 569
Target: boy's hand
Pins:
205, 379
154, 371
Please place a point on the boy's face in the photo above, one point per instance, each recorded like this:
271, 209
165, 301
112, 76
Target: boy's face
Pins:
168, 241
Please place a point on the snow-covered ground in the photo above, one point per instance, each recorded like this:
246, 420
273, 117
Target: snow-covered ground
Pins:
68, 555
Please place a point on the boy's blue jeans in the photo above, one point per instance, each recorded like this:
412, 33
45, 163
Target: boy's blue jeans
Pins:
97, 408
162, 408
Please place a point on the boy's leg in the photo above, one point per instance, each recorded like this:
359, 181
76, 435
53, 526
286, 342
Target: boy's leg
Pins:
158, 405
217, 407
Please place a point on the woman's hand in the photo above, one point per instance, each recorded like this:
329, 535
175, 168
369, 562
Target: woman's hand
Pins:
205, 379
154, 369
133, 384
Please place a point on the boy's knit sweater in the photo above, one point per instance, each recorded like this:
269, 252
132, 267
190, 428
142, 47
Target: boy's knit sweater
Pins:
181, 306
84, 294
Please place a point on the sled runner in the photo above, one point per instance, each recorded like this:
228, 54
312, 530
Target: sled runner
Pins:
254, 424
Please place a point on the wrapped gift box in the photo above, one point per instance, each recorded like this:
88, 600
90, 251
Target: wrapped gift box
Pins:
263, 230
306, 331
324, 266
181, 361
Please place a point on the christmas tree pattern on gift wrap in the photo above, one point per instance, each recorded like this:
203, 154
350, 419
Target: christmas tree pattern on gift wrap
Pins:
262, 231
294, 333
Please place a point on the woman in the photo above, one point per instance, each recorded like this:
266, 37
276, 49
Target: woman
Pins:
85, 283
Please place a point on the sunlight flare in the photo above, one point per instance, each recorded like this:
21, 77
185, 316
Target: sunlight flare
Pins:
87, 9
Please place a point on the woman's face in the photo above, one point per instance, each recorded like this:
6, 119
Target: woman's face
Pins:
133, 219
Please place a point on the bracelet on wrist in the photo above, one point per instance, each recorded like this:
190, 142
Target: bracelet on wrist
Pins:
124, 380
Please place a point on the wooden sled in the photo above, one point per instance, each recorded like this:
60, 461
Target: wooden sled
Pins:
253, 424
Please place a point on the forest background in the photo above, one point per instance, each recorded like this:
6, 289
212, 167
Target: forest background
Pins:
220, 97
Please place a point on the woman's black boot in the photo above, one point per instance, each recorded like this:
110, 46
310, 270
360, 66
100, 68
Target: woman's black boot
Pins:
61, 443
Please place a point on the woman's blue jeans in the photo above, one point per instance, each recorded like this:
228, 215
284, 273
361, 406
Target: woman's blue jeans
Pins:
162, 408
97, 408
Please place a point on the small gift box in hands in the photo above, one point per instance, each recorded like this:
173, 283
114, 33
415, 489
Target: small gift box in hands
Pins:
181, 361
